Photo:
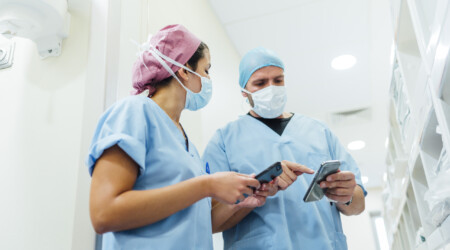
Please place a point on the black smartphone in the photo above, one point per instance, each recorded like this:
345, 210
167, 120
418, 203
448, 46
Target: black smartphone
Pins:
315, 192
270, 173
267, 175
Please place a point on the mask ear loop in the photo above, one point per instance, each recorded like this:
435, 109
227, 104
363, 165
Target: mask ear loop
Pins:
245, 106
173, 61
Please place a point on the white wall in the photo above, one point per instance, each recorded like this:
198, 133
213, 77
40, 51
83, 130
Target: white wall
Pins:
41, 110
358, 229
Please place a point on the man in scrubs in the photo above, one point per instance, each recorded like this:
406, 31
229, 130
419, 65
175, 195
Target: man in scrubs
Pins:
268, 134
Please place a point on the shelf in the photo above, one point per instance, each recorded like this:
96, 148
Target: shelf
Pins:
427, 17
408, 52
422, 246
396, 146
441, 236
419, 119
440, 72
404, 232
413, 210
420, 187
431, 146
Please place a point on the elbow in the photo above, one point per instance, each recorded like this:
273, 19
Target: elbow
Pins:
359, 209
99, 228
100, 223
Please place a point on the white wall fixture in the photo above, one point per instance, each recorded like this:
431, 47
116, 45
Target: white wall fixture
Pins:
46, 22
6, 54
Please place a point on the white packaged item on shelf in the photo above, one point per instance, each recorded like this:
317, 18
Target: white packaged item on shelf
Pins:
440, 212
420, 236
403, 109
405, 130
438, 198
443, 163
394, 88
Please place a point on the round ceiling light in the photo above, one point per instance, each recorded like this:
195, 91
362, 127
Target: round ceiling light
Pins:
356, 145
343, 62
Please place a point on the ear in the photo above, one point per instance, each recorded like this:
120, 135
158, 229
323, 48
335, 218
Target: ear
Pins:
244, 94
182, 74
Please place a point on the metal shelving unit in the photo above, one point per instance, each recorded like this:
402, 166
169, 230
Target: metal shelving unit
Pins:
417, 211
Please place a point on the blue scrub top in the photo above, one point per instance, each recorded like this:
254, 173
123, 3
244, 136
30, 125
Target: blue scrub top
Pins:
148, 135
285, 221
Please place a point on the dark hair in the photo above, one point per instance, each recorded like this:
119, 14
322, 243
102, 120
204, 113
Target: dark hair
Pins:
192, 62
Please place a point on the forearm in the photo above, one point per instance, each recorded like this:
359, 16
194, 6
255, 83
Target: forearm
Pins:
358, 203
136, 208
225, 216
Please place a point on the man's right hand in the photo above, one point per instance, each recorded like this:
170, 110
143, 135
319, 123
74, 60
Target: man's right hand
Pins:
290, 172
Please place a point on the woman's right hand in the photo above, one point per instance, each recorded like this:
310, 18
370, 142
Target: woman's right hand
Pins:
229, 187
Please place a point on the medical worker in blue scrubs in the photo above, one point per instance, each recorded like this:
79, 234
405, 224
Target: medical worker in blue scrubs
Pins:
268, 134
150, 189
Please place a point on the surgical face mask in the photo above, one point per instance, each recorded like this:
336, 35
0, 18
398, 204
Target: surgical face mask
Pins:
269, 102
194, 101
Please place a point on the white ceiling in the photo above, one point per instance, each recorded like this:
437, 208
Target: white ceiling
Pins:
307, 35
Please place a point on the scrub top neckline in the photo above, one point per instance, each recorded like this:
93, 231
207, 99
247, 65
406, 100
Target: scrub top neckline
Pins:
271, 130
181, 134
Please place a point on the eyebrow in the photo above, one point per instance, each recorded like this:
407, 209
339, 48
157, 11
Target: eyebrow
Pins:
266, 78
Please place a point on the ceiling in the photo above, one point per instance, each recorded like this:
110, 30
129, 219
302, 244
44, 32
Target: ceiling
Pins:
307, 35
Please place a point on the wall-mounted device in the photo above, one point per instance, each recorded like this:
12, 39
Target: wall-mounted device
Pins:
46, 22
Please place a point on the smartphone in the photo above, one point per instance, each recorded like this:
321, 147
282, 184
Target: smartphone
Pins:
267, 175
315, 192
270, 173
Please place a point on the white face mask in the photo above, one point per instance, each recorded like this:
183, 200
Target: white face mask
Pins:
269, 102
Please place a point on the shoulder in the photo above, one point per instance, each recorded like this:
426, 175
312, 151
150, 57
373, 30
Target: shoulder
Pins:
232, 125
133, 105
310, 122
134, 101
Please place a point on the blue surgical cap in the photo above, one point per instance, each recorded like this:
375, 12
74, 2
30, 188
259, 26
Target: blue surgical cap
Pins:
255, 59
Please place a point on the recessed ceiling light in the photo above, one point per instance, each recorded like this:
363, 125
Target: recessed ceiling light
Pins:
343, 62
364, 179
356, 145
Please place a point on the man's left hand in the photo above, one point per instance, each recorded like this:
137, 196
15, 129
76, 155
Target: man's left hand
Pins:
340, 186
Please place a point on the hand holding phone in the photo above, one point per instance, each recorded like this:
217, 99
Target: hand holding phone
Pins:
315, 192
267, 175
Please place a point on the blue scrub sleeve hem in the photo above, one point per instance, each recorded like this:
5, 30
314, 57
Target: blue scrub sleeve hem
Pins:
132, 147
362, 187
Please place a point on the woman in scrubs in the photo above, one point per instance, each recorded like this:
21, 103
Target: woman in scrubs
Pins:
149, 187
